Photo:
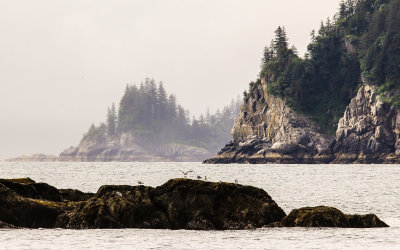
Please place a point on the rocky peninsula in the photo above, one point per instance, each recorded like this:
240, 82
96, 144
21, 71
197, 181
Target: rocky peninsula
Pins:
267, 130
339, 103
177, 204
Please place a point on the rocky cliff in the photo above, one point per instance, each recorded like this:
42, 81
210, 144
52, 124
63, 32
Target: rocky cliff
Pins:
267, 130
369, 130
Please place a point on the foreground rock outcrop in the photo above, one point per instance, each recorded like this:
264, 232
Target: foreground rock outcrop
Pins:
328, 217
177, 204
268, 131
20, 211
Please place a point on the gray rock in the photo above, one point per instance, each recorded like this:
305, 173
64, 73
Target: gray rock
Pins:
268, 131
369, 130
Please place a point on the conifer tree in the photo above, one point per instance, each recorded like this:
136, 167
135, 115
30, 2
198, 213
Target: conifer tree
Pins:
280, 41
111, 121
162, 102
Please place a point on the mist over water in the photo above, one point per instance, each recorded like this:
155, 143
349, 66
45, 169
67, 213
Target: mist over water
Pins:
63, 62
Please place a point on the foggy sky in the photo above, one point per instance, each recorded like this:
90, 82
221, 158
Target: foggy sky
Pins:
63, 62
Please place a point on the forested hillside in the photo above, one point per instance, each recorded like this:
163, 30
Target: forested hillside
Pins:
155, 118
339, 103
361, 43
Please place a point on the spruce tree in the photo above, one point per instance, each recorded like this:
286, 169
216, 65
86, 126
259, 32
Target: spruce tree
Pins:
162, 102
111, 121
280, 41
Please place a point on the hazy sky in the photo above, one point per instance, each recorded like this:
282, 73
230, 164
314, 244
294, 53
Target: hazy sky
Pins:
63, 62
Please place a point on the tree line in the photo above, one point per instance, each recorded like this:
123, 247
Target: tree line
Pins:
362, 39
155, 118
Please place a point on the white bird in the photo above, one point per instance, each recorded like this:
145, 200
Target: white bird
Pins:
186, 173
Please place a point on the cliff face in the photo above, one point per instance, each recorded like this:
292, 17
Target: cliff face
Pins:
268, 131
369, 130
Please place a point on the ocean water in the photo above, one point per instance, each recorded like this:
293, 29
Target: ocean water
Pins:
350, 188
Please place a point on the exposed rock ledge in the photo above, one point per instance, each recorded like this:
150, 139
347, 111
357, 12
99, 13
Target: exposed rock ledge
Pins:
35, 157
123, 151
268, 131
177, 204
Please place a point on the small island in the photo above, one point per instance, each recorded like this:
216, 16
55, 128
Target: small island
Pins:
149, 125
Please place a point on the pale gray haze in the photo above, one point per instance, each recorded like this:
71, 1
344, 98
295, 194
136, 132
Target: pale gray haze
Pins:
63, 62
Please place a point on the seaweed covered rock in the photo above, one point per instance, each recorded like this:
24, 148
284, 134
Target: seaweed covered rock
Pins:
27, 212
116, 207
199, 205
315, 217
74, 195
365, 221
6, 226
28, 188
323, 216
178, 204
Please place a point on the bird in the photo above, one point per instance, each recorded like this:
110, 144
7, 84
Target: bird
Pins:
198, 177
236, 181
205, 178
186, 173
140, 182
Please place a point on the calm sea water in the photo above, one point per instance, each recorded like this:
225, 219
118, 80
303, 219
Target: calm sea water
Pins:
350, 188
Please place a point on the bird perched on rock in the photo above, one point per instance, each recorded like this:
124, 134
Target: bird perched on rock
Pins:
236, 181
140, 182
198, 177
186, 173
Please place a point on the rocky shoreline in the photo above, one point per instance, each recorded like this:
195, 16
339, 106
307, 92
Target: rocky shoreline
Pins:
120, 151
268, 131
177, 204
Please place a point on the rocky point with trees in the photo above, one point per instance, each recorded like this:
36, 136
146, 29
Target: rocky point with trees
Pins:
151, 126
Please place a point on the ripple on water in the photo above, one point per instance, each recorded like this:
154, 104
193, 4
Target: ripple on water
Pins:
351, 188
